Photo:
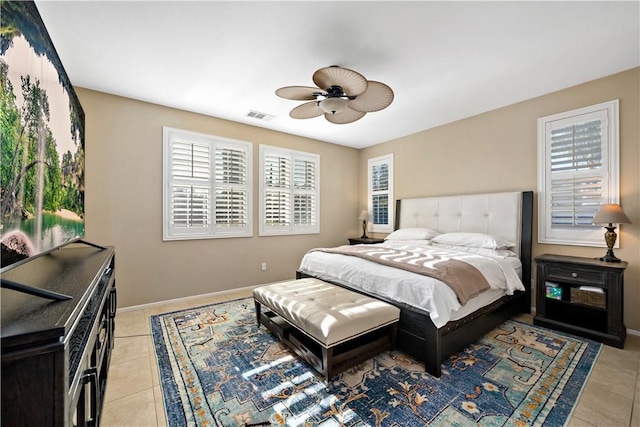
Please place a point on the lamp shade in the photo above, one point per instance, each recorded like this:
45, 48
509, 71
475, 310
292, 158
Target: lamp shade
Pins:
333, 105
611, 214
364, 214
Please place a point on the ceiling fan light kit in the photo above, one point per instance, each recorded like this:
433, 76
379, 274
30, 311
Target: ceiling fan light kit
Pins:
333, 105
342, 95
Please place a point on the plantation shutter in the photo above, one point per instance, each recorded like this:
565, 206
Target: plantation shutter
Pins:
381, 193
230, 183
277, 171
576, 173
191, 192
207, 190
289, 191
304, 207
380, 188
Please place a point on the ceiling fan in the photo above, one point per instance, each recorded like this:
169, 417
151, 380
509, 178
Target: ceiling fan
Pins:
342, 95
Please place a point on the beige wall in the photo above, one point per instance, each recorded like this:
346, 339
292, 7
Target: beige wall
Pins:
496, 151
124, 204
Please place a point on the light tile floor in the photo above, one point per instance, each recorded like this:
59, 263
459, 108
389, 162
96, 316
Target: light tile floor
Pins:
611, 397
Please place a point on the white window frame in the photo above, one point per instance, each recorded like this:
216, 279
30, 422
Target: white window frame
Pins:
291, 228
608, 113
376, 161
212, 230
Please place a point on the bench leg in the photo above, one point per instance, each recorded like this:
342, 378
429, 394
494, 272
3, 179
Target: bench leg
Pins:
393, 336
327, 361
258, 307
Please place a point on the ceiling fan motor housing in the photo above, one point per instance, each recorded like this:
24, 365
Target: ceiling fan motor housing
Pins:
335, 91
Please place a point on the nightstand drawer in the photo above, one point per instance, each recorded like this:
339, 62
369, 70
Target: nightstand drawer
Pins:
575, 274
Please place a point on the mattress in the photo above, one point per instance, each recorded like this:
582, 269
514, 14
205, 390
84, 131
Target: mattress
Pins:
418, 291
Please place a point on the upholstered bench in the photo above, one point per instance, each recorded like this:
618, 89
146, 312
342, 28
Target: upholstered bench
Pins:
330, 327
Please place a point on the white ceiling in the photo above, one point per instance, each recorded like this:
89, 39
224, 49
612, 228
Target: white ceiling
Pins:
443, 60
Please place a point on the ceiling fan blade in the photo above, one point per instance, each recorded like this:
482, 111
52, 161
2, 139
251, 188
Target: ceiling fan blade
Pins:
352, 83
298, 93
308, 110
378, 96
346, 116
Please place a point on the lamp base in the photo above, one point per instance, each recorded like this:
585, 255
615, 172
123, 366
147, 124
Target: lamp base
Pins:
610, 257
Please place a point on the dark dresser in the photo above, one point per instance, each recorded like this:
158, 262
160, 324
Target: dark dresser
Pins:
55, 354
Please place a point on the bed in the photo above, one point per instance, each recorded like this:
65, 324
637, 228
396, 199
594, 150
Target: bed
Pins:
432, 339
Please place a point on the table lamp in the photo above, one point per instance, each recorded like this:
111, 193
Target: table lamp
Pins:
610, 214
364, 216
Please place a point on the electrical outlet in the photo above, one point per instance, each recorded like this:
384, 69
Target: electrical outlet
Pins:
264, 266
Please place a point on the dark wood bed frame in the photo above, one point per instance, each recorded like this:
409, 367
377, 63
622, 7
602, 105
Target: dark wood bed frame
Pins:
419, 337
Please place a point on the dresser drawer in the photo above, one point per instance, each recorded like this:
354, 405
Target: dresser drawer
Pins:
575, 274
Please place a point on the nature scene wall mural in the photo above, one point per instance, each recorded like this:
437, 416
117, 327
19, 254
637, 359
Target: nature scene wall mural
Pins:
42, 140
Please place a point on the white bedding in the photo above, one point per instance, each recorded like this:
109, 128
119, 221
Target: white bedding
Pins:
422, 292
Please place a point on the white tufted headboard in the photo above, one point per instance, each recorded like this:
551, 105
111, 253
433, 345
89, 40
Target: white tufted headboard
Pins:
500, 214
508, 215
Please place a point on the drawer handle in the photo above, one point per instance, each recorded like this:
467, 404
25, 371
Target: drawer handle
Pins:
574, 274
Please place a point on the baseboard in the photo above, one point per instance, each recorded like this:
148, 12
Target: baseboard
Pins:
193, 297
183, 299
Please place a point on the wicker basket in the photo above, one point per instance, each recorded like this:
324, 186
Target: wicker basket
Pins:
592, 299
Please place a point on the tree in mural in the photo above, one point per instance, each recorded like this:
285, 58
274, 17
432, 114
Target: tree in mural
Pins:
72, 178
27, 142
22, 151
9, 127
11, 143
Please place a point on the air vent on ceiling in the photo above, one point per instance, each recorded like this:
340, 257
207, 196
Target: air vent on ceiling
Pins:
260, 116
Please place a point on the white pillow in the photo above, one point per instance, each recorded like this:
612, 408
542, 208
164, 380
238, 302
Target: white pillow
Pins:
474, 240
502, 253
412, 234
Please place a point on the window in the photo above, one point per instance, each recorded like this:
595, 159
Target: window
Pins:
289, 192
381, 193
207, 186
578, 170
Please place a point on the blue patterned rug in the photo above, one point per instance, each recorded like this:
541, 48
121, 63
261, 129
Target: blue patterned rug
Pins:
217, 368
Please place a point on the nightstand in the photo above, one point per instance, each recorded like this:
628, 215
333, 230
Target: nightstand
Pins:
364, 241
562, 305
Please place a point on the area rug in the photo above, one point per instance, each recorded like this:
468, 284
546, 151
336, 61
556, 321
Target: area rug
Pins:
217, 368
